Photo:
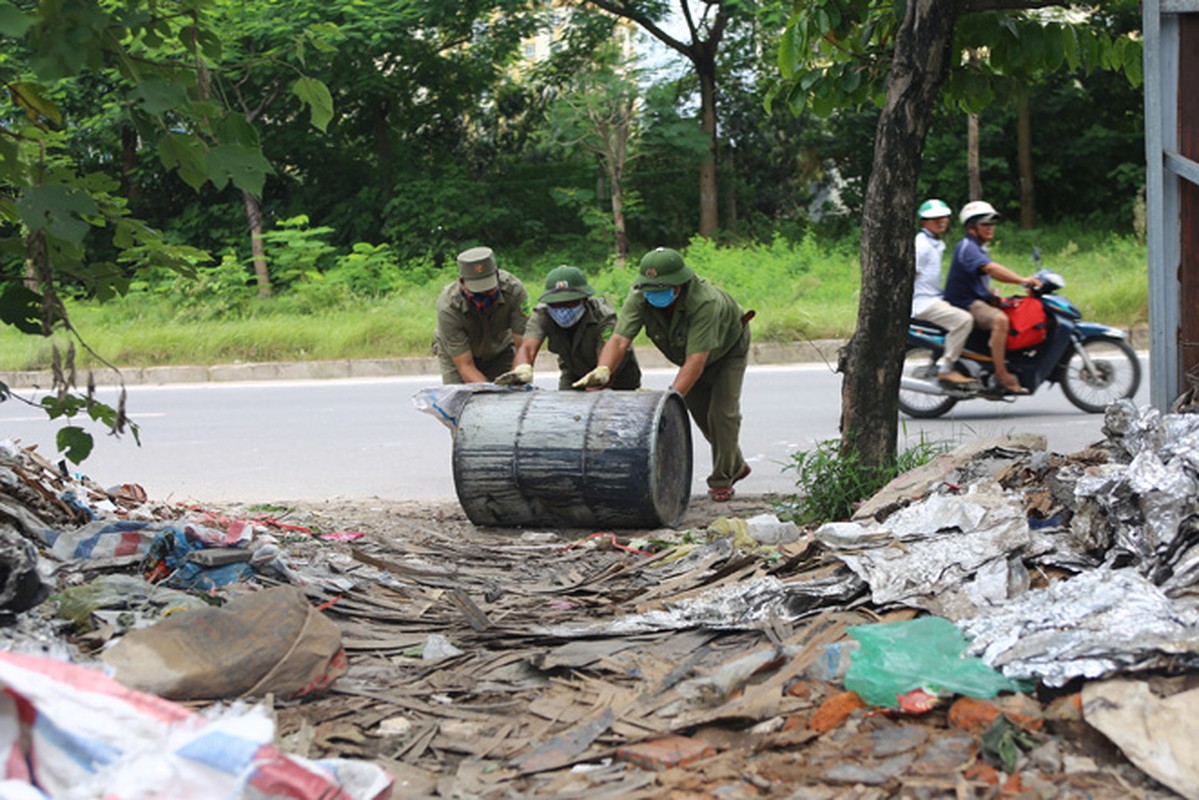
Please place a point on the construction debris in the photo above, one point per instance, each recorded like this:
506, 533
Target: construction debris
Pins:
712, 660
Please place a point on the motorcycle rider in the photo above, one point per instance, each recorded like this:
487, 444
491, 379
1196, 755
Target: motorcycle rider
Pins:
969, 285
927, 301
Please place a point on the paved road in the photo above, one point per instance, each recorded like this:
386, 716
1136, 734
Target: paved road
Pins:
362, 438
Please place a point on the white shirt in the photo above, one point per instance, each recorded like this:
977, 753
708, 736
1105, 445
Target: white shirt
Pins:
929, 250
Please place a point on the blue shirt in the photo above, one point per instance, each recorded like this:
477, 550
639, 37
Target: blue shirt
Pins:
966, 281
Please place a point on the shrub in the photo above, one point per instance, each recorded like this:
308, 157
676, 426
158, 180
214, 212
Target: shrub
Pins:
832, 482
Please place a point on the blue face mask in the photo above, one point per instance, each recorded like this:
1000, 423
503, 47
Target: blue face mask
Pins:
659, 298
566, 317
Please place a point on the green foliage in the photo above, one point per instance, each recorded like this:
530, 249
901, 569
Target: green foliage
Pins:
804, 289
72, 68
836, 53
832, 479
217, 292
294, 250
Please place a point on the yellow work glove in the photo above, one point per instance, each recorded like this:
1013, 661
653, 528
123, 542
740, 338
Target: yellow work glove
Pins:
597, 377
521, 373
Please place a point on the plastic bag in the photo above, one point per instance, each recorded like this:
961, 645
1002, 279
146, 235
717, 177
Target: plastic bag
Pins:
923, 653
446, 402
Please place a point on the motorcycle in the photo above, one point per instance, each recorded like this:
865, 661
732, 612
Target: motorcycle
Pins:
1093, 363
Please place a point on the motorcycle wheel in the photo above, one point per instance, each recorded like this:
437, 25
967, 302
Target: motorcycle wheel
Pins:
921, 363
1117, 374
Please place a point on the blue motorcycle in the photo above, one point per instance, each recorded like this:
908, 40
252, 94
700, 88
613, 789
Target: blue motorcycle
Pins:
1094, 364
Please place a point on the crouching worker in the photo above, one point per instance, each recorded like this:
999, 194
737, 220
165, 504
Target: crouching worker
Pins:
481, 318
701, 329
575, 324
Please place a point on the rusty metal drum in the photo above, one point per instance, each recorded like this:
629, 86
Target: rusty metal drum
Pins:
607, 459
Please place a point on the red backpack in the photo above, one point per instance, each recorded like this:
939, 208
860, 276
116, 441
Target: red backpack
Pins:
1029, 323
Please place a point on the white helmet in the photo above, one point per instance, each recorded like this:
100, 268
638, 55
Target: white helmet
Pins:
977, 208
933, 209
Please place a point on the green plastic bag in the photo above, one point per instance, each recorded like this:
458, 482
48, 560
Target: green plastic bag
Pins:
923, 653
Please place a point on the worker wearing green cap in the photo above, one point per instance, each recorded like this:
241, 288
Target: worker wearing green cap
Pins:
575, 323
702, 330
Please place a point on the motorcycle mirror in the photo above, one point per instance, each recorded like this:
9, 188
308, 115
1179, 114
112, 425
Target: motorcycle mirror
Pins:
1036, 255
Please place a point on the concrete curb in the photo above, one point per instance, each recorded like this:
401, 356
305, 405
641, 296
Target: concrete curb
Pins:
811, 351
766, 353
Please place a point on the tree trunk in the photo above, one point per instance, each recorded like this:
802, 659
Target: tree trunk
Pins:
730, 189
873, 359
1028, 194
129, 142
254, 219
708, 204
618, 226
973, 169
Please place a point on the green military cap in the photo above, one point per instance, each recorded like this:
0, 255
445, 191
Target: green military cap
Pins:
477, 269
663, 267
565, 283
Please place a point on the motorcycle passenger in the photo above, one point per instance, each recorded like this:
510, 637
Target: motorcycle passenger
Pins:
576, 324
928, 304
968, 285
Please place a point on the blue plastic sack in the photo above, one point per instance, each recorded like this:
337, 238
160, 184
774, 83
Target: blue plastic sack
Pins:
923, 653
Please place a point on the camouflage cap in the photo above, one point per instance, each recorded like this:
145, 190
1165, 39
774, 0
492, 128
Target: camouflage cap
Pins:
565, 283
663, 267
477, 269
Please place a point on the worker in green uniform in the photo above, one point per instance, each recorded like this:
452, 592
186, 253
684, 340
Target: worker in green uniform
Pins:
481, 318
702, 330
575, 323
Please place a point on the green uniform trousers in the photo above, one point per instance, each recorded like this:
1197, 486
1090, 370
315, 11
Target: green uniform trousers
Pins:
715, 405
492, 367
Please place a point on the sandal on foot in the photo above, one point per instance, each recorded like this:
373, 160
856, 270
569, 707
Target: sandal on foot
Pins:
721, 494
742, 475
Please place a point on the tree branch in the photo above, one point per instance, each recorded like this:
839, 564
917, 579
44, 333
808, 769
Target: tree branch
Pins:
973, 6
621, 9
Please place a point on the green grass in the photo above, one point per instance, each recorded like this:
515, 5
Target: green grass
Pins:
801, 290
832, 483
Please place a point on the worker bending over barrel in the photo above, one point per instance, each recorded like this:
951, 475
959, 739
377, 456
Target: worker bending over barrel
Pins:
481, 318
575, 323
702, 330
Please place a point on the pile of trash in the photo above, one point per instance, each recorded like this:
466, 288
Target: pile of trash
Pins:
187, 607
969, 632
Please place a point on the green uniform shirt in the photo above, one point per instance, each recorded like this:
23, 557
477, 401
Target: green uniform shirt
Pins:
704, 318
462, 327
578, 347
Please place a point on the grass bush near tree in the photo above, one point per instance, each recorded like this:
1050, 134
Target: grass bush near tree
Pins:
368, 304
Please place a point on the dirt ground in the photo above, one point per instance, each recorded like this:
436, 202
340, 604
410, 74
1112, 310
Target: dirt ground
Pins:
536, 691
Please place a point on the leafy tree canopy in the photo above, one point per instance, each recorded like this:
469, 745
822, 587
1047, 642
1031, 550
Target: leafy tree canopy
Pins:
836, 54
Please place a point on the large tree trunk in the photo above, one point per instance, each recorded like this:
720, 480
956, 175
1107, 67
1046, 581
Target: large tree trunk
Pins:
1028, 194
873, 359
708, 203
254, 220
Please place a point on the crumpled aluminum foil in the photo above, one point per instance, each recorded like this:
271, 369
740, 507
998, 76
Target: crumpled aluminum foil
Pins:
738, 606
1137, 510
946, 555
1088, 626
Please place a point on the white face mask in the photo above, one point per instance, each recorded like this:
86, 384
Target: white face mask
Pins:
566, 317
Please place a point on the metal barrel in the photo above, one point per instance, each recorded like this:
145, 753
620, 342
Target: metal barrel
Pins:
574, 459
